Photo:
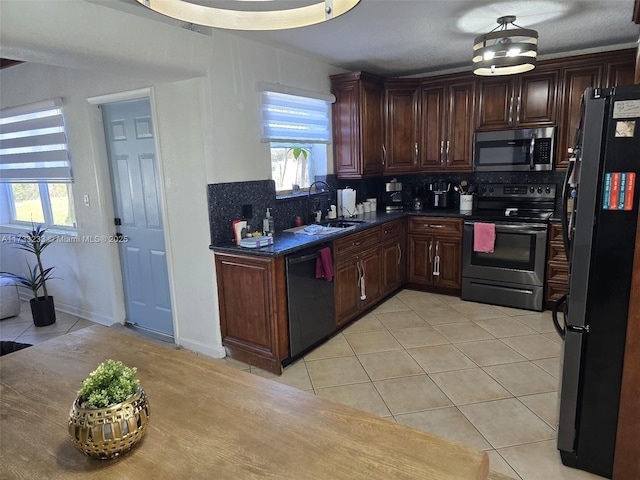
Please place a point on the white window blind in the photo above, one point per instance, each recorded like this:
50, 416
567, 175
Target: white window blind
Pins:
291, 118
33, 144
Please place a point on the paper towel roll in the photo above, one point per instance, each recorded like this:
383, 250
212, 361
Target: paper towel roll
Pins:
349, 202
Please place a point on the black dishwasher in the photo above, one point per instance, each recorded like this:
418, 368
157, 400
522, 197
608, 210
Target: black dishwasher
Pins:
310, 300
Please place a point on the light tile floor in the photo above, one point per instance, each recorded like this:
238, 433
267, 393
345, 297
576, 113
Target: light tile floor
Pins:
478, 374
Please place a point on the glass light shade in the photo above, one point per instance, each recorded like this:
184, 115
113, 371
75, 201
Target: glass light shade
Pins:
505, 52
242, 18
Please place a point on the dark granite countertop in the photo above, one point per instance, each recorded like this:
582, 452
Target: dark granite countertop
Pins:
285, 243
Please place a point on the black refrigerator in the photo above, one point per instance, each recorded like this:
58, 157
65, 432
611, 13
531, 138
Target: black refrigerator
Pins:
601, 211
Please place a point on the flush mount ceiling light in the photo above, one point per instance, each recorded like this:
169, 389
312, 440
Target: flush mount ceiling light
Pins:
503, 51
252, 14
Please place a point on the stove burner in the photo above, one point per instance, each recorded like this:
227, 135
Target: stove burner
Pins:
508, 202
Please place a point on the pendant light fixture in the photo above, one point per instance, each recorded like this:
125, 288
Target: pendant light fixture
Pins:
251, 14
503, 51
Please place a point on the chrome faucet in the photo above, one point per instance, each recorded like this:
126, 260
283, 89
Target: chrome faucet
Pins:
310, 213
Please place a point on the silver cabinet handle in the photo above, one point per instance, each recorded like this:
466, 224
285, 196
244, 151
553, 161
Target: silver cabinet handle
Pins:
433, 225
436, 261
447, 152
399, 253
363, 294
384, 155
518, 109
441, 150
415, 160
430, 251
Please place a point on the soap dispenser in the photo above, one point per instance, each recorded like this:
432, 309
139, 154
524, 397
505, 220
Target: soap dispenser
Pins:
268, 224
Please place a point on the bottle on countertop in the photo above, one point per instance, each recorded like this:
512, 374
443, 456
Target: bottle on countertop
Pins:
268, 223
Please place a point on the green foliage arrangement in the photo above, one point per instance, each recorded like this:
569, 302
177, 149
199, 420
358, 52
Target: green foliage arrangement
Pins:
110, 383
34, 242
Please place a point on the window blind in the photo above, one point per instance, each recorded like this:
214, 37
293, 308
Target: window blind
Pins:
291, 118
33, 144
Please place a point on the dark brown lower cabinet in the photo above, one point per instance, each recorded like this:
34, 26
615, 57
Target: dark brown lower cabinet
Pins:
435, 254
357, 260
253, 309
557, 281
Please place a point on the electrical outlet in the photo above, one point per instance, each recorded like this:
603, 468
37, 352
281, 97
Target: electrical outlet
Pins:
86, 200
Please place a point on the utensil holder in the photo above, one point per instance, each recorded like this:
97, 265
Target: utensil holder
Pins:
466, 203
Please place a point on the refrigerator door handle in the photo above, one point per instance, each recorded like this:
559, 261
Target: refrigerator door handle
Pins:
561, 329
565, 202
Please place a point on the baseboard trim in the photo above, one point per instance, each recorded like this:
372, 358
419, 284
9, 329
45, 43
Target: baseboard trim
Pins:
214, 352
80, 312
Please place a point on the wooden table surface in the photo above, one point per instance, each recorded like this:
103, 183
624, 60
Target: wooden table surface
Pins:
207, 421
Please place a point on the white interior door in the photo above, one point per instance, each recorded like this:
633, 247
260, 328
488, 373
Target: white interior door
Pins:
136, 191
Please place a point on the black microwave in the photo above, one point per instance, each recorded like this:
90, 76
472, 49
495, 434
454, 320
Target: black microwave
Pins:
523, 150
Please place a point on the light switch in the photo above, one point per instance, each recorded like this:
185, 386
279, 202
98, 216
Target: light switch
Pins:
87, 202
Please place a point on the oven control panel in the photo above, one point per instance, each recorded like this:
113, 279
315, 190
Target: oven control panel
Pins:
523, 191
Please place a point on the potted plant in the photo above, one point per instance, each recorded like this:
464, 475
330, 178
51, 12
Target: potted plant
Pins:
42, 307
110, 414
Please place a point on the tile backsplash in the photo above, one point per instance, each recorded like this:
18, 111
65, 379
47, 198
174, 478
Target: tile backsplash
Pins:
226, 200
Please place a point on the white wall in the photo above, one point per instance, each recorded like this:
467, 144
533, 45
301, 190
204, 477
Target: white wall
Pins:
207, 128
237, 67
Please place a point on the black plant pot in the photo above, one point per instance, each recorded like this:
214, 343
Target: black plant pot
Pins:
43, 311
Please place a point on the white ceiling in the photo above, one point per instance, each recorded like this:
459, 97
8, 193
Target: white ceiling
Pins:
407, 37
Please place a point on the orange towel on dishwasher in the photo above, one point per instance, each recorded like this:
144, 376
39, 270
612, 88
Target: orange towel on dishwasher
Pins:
324, 264
484, 237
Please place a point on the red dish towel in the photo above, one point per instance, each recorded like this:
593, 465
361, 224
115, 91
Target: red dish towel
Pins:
484, 237
324, 264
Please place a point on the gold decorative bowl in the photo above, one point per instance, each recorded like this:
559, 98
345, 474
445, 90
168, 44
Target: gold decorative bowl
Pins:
111, 431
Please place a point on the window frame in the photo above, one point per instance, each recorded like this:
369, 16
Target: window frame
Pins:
47, 210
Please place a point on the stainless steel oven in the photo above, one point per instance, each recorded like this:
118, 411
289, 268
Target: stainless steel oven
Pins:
512, 273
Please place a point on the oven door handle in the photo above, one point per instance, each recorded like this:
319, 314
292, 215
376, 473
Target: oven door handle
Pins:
521, 227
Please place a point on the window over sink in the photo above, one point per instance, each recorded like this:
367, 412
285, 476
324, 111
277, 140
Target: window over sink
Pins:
298, 131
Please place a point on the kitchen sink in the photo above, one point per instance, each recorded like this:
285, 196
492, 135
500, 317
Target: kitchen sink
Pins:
326, 227
340, 223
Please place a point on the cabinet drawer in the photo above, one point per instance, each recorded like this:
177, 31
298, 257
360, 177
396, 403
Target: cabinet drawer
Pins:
556, 252
435, 225
555, 232
347, 247
391, 232
557, 272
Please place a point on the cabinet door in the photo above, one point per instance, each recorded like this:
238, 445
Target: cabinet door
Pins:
420, 262
620, 72
253, 317
392, 267
459, 141
575, 80
450, 252
370, 267
346, 127
371, 128
432, 128
401, 128
346, 291
495, 103
536, 100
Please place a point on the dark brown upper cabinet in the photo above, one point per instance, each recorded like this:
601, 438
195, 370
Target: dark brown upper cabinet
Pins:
520, 101
608, 69
358, 125
429, 125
